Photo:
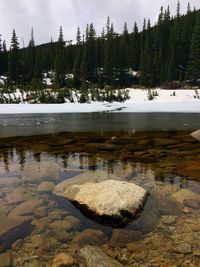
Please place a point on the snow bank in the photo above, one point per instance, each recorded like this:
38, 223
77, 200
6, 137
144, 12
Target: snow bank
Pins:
184, 101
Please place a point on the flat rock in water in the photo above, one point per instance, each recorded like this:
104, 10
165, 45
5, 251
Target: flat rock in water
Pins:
196, 135
65, 224
26, 208
190, 169
13, 229
185, 194
91, 256
18, 195
89, 237
121, 237
111, 201
38, 171
10, 181
46, 187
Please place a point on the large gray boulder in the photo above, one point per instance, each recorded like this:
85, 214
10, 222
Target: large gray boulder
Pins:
110, 201
196, 134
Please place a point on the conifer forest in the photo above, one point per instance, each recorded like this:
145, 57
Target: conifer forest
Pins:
165, 53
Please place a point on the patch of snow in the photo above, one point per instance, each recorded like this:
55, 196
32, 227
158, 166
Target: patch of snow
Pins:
69, 76
47, 81
183, 101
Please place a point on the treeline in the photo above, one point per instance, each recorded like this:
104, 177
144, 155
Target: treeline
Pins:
168, 51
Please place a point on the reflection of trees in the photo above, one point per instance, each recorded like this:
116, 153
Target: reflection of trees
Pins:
140, 147
37, 156
65, 157
21, 153
6, 160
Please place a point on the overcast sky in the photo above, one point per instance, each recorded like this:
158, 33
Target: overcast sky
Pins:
45, 16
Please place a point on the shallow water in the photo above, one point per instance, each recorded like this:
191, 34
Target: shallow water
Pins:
167, 232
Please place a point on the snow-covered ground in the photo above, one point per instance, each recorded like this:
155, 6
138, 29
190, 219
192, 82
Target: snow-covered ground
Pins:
183, 101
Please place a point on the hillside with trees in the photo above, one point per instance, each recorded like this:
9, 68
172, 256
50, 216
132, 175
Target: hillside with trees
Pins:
166, 54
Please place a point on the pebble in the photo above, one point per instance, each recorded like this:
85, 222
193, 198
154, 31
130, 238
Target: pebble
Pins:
6, 259
169, 220
63, 259
183, 248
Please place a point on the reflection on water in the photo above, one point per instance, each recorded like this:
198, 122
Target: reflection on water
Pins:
37, 225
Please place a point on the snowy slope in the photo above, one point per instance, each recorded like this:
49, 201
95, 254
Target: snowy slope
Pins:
183, 101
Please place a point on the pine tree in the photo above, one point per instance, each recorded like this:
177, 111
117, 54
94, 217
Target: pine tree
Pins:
4, 63
29, 60
188, 8
77, 62
178, 9
14, 60
61, 37
1, 56
193, 67
59, 64
146, 60
91, 54
109, 53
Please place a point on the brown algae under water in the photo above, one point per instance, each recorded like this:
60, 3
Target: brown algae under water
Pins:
37, 227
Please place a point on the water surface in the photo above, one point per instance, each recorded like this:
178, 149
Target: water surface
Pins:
36, 124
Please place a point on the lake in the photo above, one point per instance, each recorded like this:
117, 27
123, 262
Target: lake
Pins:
36, 124
155, 151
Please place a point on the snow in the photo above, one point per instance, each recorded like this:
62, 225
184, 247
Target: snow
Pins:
47, 81
185, 101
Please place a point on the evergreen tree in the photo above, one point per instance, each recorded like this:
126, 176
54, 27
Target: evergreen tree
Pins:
178, 10
109, 53
77, 62
91, 54
59, 64
166, 51
1, 56
193, 67
14, 60
29, 60
4, 61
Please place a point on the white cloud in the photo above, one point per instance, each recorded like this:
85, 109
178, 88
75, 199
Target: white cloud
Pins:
45, 16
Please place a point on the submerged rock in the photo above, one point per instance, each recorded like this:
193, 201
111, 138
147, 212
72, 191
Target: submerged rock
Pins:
88, 237
26, 208
91, 256
18, 195
196, 135
46, 187
121, 237
10, 182
190, 169
110, 201
185, 194
37, 172
6, 260
183, 248
13, 229
67, 223
63, 259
